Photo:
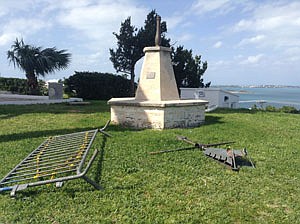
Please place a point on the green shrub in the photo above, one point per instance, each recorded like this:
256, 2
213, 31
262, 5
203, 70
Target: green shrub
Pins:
14, 85
19, 86
284, 109
254, 107
288, 109
98, 86
271, 108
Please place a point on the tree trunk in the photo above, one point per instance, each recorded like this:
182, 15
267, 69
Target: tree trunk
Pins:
32, 83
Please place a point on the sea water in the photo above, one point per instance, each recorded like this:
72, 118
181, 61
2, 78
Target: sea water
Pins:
262, 97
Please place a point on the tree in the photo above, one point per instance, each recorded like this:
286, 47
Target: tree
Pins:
35, 61
147, 33
128, 52
131, 42
188, 70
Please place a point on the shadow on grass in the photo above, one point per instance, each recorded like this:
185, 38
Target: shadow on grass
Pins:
231, 111
10, 111
99, 167
210, 119
38, 134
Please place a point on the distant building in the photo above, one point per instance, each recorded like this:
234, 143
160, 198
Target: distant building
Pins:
215, 96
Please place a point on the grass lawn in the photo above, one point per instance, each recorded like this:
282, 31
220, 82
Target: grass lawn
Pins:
178, 187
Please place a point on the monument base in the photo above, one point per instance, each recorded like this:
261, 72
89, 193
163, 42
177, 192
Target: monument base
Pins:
130, 112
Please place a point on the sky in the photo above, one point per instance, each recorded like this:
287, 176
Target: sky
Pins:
245, 42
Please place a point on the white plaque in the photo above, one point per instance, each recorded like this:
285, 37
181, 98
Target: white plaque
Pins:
150, 75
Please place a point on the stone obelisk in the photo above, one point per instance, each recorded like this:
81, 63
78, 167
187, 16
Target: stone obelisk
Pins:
157, 104
157, 79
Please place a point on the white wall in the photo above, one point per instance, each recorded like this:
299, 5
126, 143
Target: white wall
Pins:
215, 96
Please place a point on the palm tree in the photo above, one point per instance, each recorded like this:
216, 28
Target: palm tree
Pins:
35, 61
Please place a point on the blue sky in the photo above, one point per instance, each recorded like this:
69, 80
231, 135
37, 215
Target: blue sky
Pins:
245, 42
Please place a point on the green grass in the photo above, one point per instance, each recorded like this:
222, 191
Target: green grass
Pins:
179, 187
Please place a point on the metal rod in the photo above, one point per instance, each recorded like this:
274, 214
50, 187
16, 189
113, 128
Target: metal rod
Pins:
88, 147
16, 167
74, 138
185, 139
45, 163
54, 165
46, 175
42, 169
171, 150
59, 146
6, 189
39, 172
69, 151
104, 132
74, 134
200, 145
60, 155
60, 179
53, 157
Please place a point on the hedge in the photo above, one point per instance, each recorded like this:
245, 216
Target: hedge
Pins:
97, 86
19, 86
14, 85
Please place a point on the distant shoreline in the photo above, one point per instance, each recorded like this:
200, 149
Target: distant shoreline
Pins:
238, 92
255, 86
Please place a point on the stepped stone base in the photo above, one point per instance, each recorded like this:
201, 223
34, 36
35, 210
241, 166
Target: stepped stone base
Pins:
130, 112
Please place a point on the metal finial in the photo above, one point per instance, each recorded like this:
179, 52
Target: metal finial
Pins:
158, 31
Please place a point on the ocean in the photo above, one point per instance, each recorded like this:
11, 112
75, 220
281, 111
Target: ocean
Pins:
262, 97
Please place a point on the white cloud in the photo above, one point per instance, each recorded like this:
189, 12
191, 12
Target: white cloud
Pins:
184, 37
174, 21
5, 38
19, 28
274, 26
219, 65
252, 40
98, 21
291, 55
204, 6
268, 17
13, 5
19, 20
280, 21
252, 59
218, 44
26, 25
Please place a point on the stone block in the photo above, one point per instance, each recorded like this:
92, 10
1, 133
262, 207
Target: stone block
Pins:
157, 115
55, 90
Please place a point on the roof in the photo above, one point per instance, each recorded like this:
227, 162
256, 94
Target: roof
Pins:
212, 89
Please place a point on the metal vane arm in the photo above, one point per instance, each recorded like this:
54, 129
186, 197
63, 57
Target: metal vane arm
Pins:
199, 145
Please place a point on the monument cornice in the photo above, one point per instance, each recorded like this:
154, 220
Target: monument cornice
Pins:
157, 48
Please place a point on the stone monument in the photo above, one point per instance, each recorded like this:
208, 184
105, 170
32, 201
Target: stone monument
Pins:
157, 104
55, 90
